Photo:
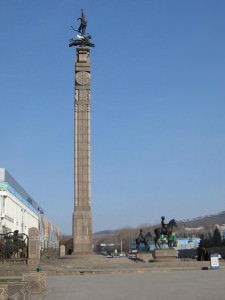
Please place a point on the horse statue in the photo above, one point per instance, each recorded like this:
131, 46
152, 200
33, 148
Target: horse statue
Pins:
143, 239
13, 245
164, 234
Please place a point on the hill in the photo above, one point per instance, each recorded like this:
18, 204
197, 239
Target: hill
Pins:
204, 221
191, 223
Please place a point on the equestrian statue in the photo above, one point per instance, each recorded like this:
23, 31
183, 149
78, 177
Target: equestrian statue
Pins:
13, 245
164, 234
143, 239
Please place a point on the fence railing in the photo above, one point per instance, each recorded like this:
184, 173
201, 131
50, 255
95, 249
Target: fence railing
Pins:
13, 245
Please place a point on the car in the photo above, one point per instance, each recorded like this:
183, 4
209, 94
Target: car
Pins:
109, 256
132, 256
104, 253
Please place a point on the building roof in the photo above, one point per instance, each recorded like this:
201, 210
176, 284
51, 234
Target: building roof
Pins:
9, 183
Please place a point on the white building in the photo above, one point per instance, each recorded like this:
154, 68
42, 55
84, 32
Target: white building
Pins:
18, 211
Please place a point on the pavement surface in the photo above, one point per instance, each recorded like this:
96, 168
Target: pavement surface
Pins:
156, 285
93, 277
96, 264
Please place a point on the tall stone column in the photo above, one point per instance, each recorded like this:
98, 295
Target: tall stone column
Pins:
82, 216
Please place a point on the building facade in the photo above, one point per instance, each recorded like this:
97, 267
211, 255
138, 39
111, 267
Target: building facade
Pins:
19, 211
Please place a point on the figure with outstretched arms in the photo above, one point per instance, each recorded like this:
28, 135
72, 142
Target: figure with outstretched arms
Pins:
83, 38
83, 23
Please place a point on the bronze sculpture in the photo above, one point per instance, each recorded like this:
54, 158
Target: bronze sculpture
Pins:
143, 239
164, 225
13, 245
83, 38
164, 234
83, 23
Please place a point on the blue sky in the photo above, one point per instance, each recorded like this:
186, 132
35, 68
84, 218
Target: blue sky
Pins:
158, 101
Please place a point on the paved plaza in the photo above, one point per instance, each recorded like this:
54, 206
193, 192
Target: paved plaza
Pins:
96, 277
156, 285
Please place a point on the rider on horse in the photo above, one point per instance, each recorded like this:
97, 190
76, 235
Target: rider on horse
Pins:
164, 234
141, 236
164, 226
143, 239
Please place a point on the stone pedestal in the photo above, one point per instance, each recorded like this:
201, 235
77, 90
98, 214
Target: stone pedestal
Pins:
145, 257
165, 254
82, 240
38, 281
62, 251
33, 246
82, 216
3, 291
19, 290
